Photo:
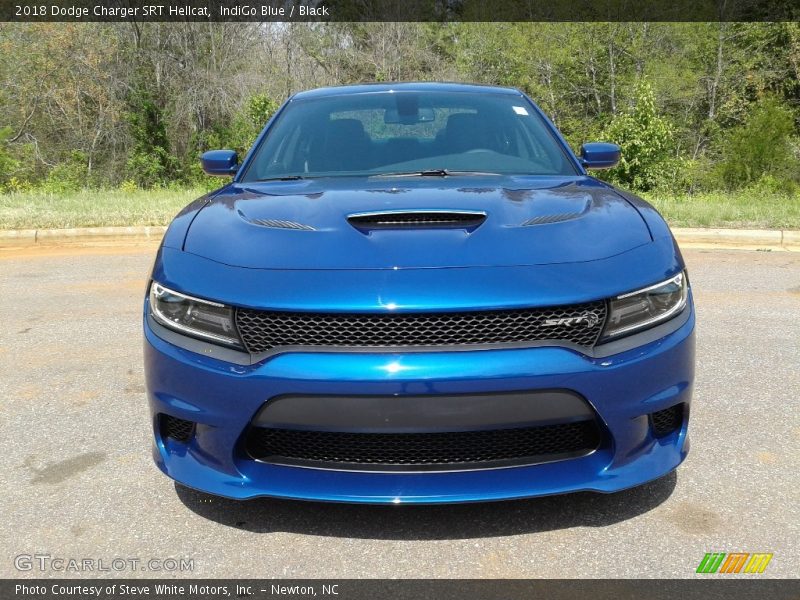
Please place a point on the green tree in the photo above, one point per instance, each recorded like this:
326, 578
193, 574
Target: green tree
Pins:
150, 162
260, 109
98, 103
646, 141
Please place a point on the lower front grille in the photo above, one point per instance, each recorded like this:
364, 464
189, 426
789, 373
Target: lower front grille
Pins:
423, 451
666, 421
178, 429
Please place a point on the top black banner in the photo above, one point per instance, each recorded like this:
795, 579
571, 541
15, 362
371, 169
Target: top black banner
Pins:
399, 10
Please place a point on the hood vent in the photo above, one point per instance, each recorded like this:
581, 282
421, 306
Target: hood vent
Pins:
277, 223
556, 218
417, 219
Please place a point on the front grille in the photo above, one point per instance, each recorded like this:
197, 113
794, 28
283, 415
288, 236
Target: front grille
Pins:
407, 451
666, 421
578, 324
178, 429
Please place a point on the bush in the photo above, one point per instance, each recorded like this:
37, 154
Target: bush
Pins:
760, 149
129, 186
239, 134
67, 176
8, 164
150, 168
646, 141
15, 186
769, 185
260, 109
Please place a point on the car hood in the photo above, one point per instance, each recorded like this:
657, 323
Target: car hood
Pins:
415, 222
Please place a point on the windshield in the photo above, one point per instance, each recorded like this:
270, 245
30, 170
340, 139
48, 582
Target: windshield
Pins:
399, 132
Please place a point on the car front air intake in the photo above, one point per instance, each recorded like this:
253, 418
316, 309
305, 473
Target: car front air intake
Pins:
487, 448
417, 219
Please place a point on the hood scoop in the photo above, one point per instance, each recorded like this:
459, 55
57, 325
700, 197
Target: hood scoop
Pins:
417, 219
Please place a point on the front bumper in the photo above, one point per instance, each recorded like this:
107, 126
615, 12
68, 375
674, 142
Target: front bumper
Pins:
223, 398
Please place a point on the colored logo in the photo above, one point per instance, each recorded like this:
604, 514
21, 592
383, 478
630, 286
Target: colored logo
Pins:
734, 562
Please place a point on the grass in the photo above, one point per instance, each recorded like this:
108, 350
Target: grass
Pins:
734, 210
93, 208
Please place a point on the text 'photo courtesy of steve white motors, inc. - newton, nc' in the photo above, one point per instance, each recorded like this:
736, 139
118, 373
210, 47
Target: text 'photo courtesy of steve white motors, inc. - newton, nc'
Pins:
144, 589
193, 10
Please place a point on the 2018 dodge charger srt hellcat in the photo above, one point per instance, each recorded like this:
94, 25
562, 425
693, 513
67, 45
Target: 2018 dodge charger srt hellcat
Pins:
415, 293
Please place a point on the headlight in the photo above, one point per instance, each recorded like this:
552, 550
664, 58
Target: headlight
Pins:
646, 307
192, 316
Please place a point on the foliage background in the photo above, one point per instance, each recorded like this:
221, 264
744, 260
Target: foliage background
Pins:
697, 107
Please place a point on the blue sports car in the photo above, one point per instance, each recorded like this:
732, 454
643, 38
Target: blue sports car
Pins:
415, 293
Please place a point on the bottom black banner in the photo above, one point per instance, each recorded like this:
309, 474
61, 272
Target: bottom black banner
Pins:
439, 589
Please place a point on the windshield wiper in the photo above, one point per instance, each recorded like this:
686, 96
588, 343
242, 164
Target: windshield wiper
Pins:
431, 173
282, 178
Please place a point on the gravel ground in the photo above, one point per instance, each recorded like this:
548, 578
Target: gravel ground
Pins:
79, 482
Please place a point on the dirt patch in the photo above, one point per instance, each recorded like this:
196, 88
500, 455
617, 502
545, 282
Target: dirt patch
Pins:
109, 249
692, 518
65, 469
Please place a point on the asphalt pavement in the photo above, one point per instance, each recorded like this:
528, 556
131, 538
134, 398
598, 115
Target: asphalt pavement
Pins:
78, 480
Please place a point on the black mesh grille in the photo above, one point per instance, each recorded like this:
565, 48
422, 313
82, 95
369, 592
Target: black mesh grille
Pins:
463, 448
666, 421
175, 428
579, 324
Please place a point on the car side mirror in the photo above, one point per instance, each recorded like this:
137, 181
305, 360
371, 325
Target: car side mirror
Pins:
221, 163
600, 155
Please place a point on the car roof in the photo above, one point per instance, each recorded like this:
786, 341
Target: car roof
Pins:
412, 86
